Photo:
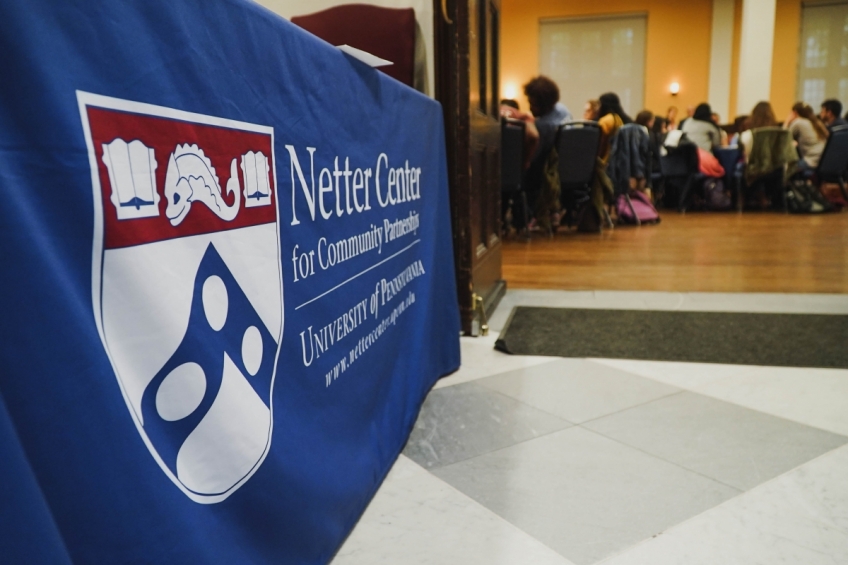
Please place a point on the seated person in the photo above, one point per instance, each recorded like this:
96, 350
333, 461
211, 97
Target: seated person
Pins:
765, 169
611, 117
738, 128
671, 118
716, 119
690, 111
808, 132
590, 111
645, 118
701, 130
656, 136
830, 111
761, 116
543, 95
510, 109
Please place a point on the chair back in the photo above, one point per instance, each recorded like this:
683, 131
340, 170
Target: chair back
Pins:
771, 149
512, 154
577, 148
834, 158
388, 33
680, 161
630, 156
728, 158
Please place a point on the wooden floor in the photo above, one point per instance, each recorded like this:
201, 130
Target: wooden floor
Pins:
696, 252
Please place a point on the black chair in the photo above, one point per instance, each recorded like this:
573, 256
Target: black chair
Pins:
833, 164
512, 170
729, 158
680, 165
655, 181
577, 148
781, 155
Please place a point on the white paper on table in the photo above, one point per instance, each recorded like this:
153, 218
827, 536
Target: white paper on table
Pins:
364, 56
673, 138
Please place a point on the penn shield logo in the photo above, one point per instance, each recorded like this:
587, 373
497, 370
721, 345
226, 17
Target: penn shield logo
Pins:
187, 284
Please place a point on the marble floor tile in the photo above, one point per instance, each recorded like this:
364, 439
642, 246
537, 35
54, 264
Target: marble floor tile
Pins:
812, 396
798, 518
417, 519
729, 443
481, 359
577, 390
815, 397
467, 420
582, 494
688, 376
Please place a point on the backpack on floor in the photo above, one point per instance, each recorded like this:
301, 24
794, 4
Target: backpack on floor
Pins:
804, 198
715, 196
641, 205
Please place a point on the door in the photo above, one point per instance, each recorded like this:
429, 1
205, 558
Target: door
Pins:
467, 81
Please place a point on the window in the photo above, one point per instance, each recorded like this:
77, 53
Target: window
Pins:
813, 92
823, 61
587, 57
817, 42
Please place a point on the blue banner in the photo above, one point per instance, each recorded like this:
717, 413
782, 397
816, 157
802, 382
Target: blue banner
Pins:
227, 283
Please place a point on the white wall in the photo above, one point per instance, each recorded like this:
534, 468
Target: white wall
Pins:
721, 56
755, 53
423, 13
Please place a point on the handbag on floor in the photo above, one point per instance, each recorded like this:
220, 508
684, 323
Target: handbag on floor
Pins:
639, 205
804, 198
715, 196
833, 194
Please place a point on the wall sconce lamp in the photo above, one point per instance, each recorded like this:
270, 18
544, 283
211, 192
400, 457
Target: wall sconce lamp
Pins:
674, 88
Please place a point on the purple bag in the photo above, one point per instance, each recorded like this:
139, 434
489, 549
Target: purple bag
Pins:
640, 205
716, 197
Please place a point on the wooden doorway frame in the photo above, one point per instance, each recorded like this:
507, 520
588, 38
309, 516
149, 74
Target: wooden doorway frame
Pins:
472, 138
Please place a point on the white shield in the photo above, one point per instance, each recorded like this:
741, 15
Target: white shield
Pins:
187, 284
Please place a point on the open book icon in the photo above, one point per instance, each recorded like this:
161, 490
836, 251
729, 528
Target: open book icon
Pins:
132, 174
255, 168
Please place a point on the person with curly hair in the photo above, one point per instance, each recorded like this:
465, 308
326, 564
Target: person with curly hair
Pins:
543, 95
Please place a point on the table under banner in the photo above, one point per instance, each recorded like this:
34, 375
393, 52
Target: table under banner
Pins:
227, 283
